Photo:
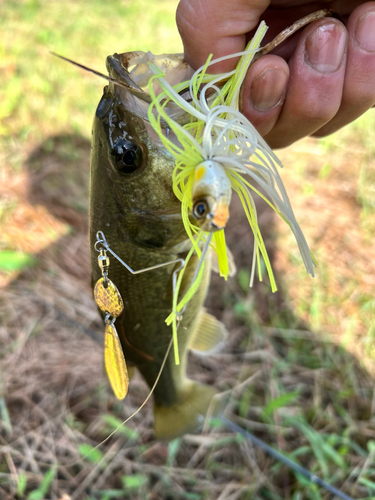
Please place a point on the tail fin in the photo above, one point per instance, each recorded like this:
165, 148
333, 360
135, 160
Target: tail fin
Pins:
186, 415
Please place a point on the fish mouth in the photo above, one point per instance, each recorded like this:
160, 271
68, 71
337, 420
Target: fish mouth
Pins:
212, 215
162, 213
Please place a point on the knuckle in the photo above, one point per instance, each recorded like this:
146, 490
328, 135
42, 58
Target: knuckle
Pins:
319, 110
360, 96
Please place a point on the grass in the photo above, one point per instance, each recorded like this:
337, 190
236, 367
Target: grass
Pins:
338, 218
297, 369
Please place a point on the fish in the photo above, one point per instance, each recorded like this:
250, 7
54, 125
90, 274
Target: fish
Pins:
133, 203
144, 167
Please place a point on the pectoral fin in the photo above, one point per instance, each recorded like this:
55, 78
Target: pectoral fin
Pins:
208, 335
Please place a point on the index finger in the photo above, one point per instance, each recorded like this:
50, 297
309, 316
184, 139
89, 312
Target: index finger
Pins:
216, 27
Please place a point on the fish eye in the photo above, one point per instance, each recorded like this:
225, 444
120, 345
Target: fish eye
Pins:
200, 209
127, 156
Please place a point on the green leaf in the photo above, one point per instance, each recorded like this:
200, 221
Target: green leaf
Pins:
22, 483
4, 414
116, 424
191, 496
41, 492
241, 308
366, 482
322, 449
280, 402
35, 495
109, 494
173, 447
216, 423
134, 481
15, 261
371, 446
243, 277
90, 453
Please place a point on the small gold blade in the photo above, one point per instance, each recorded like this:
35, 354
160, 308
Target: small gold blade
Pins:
108, 299
114, 362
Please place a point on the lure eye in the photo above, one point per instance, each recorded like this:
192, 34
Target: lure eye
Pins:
127, 156
200, 209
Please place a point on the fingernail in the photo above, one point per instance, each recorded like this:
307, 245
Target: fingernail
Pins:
365, 32
268, 89
325, 47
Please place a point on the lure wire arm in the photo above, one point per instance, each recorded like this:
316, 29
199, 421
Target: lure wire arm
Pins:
101, 240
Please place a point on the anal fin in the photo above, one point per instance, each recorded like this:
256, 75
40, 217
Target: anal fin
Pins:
208, 335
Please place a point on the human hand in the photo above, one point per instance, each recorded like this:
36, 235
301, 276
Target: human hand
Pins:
319, 80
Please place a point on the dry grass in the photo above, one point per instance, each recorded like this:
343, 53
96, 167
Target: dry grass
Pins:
297, 369
277, 377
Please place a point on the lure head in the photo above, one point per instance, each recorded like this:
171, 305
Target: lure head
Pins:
211, 196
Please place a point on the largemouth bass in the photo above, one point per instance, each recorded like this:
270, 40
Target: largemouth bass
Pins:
132, 202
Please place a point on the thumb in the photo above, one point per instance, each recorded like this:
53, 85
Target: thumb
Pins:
216, 27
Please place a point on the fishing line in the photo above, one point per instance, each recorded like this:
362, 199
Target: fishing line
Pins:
102, 240
97, 73
122, 423
282, 458
140, 407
